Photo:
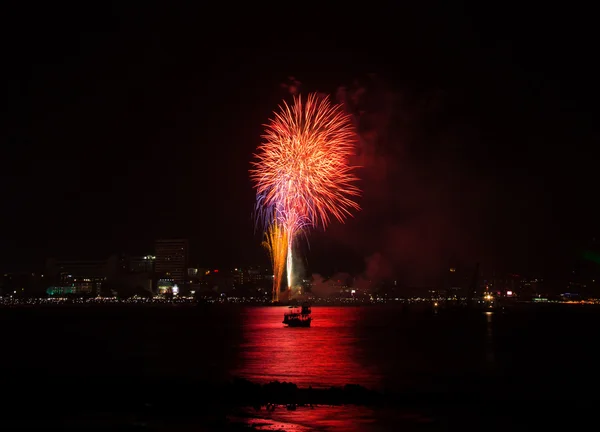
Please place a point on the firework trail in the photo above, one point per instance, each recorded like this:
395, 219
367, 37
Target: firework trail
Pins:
301, 172
276, 243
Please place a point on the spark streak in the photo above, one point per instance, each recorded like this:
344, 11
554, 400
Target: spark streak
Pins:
277, 244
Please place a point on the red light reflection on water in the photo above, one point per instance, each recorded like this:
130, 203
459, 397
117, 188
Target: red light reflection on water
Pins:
324, 355
347, 418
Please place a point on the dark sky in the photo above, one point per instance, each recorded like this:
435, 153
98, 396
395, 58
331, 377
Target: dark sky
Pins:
124, 124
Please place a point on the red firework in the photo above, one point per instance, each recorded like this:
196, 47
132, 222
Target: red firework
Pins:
302, 169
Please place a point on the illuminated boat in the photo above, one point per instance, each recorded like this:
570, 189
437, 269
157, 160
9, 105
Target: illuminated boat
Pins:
298, 316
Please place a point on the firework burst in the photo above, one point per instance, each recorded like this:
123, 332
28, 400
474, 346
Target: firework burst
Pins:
301, 171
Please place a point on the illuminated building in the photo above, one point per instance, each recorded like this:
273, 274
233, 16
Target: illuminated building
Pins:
255, 274
60, 290
141, 264
172, 259
167, 286
80, 276
238, 276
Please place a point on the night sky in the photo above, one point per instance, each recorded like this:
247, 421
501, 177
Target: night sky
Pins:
125, 124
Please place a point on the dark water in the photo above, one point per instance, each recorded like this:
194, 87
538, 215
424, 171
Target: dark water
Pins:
524, 356
378, 347
532, 350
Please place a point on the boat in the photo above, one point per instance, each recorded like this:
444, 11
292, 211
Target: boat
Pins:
298, 316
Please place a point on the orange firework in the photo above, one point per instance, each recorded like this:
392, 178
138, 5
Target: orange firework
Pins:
276, 243
301, 172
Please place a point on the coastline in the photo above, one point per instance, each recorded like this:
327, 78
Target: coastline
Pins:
241, 405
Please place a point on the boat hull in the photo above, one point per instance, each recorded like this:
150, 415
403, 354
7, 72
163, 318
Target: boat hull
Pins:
298, 323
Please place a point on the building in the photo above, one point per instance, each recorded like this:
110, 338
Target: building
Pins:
167, 286
257, 275
171, 259
140, 264
239, 277
80, 276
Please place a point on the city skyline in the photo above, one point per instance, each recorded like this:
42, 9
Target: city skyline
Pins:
171, 258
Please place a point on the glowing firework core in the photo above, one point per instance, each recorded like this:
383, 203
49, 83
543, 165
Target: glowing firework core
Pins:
301, 173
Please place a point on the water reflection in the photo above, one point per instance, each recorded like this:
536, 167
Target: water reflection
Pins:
321, 356
339, 418
489, 338
377, 348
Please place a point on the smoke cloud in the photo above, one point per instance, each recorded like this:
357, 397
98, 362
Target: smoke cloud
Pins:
325, 287
428, 200
292, 85
321, 287
421, 209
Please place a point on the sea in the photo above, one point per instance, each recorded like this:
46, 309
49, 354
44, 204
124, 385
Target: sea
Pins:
522, 368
